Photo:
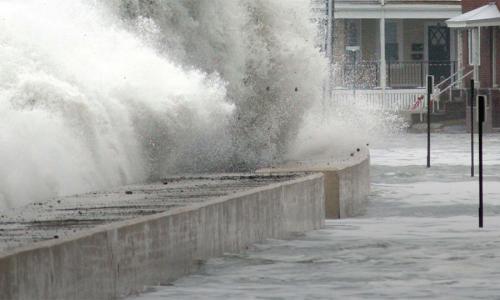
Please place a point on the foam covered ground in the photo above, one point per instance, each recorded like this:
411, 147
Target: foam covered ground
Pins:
419, 239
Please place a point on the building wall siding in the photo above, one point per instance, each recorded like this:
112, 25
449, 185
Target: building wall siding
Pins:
468, 5
339, 41
485, 70
485, 74
487, 86
497, 35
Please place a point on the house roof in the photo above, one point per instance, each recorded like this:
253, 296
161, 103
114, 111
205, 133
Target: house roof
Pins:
401, 1
425, 1
397, 9
487, 15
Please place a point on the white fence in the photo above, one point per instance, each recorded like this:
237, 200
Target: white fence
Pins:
412, 100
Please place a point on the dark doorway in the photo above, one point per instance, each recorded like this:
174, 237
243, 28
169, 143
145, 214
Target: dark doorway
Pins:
496, 113
439, 52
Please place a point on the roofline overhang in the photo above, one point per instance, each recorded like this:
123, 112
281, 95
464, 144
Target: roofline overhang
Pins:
481, 23
473, 18
397, 11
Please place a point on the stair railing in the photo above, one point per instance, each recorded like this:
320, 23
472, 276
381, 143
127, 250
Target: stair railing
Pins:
439, 89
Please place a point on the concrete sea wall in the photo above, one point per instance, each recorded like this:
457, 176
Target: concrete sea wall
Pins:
353, 182
116, 260
347, 184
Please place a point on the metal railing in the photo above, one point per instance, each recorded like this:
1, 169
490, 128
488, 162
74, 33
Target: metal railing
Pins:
448, 84
451, 81
400, 74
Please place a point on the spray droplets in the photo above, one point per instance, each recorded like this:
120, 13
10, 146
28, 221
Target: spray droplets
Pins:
146, 93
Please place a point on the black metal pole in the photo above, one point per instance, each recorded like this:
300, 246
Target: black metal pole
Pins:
430, 86
481, 118
472, 95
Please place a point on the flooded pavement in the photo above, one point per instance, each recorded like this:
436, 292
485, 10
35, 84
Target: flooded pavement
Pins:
419, 238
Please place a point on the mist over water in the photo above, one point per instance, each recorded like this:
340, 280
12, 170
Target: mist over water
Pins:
334, 131
95, 94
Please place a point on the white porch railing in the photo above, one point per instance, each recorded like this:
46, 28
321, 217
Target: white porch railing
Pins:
411, 100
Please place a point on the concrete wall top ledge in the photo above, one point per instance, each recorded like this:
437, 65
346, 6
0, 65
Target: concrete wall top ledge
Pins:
145, 219
318, 165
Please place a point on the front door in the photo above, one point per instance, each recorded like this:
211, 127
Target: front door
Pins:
496, 112
439, 52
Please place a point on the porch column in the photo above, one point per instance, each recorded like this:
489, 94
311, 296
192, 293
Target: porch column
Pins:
460, 56
494, 57
383, 64
476, 53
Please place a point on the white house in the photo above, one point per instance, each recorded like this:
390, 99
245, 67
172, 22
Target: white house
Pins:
386, 48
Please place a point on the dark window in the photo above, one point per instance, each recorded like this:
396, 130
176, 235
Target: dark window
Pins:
353, 41
391, 41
